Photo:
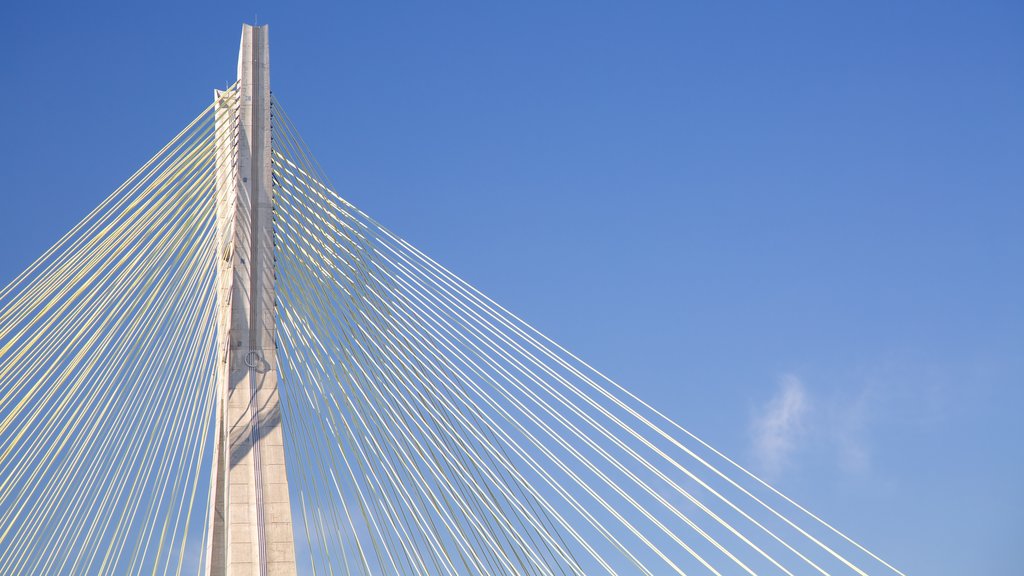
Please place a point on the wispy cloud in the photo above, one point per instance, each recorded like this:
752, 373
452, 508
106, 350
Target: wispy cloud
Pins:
833, 428
780, 424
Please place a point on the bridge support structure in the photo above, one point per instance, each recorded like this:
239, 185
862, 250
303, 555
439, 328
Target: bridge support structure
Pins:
251, 526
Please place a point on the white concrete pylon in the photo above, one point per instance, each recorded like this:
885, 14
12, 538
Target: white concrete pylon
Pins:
251, 531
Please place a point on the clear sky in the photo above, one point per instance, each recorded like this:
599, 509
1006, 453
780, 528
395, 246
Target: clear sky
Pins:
796, 229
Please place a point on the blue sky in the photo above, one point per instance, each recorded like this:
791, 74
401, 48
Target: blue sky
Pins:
796, 229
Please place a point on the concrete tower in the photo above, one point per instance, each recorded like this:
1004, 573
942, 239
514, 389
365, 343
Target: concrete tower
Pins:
251, 531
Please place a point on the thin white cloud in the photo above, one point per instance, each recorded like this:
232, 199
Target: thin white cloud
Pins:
780, 424
833, 429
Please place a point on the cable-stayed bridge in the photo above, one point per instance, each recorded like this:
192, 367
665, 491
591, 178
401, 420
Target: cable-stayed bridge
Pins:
226, 368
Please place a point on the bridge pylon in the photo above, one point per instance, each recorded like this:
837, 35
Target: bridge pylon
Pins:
251, 526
